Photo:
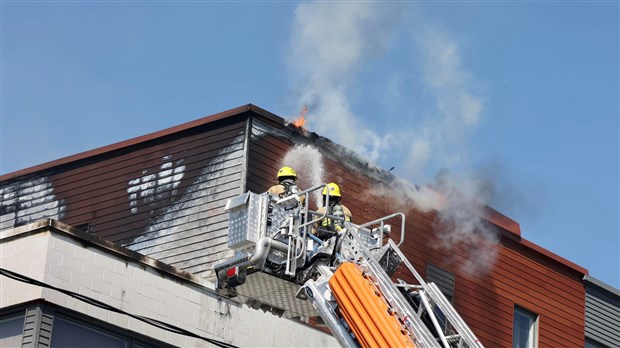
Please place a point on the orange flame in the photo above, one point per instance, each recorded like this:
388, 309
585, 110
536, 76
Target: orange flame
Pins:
300, 121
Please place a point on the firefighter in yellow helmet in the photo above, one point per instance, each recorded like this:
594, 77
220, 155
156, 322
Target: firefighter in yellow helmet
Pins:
287, 178
327, 226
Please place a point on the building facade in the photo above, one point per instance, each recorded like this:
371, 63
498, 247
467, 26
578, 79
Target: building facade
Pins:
161, 198
602, 314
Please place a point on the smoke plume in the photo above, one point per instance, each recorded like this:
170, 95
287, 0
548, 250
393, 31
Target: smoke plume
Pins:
308, 160
332, 44
460, 217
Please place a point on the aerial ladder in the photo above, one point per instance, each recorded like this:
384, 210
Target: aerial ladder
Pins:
353, 278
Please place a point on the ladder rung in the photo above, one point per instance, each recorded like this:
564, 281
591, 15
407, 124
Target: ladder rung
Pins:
455, 337
412, 319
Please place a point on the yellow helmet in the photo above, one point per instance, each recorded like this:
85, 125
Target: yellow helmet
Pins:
287, 171
334, 190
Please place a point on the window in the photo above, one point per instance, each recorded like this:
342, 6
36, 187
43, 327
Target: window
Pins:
67, 333
53, 326
11, 330
443, 279
525, 329
593, 344
445, 282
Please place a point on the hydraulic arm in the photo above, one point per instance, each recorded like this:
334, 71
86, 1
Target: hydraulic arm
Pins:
347, 277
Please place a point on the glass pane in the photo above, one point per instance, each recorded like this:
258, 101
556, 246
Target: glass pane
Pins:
11, 330
441, 318
68, 334
524, 335
591, 344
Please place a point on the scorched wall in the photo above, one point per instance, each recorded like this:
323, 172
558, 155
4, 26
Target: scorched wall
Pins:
163, 195
512, 271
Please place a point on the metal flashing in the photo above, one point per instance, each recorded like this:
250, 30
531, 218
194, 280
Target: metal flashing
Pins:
555, 257
590, 280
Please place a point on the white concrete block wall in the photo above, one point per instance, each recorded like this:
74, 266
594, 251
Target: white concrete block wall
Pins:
138, 289
24, 256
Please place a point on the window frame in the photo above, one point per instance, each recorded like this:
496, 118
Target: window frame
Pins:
15, 314
132, 338
445, 281
533, 327
590, 343
128, 341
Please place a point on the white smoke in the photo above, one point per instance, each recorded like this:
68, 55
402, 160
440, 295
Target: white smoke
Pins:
402, 193
458, 108
461, 215
308, 162
332, 43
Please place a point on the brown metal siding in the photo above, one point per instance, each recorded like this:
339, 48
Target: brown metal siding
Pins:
484, 297
28, 200
163, 198
265, 152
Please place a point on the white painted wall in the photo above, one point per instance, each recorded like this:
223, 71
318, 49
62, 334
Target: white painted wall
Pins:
60, 260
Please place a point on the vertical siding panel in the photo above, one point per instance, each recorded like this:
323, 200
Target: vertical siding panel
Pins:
38, 324
602, 315
31, 323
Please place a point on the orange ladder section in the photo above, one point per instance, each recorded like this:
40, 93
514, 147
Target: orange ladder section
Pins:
365, 310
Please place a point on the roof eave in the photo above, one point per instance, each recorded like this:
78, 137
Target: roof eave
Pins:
491, 215
553, 256
588, 279
143, 138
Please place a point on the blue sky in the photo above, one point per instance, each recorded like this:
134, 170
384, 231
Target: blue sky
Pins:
520, 97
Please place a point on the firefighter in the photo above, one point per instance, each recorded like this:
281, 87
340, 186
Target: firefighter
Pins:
327, 226
286, 186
